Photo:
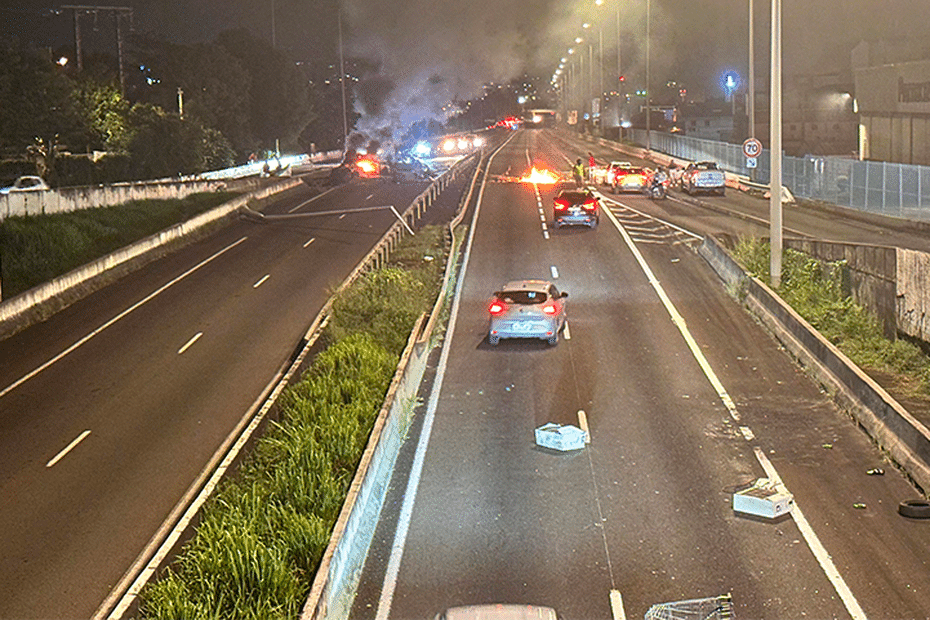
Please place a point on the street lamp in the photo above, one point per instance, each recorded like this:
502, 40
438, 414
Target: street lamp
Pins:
775, 210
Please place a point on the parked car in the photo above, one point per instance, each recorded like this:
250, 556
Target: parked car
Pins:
26, 184
612, 170
575, 206
527, 309
632, 179
703, 176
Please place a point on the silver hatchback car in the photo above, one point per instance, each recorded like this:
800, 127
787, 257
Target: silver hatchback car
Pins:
527, 309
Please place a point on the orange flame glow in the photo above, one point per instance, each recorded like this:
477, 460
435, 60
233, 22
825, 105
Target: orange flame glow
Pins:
542, 177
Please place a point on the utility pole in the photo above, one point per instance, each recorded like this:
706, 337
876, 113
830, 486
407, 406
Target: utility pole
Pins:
118, 12
775, 207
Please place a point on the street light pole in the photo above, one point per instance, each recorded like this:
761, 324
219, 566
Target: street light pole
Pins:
751, 107
342, 81
775, 207
648, 90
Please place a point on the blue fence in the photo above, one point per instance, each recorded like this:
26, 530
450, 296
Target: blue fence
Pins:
898, 190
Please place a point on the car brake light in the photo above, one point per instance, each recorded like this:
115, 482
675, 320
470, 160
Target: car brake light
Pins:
497, 307
590, 205
549, 309
560, 204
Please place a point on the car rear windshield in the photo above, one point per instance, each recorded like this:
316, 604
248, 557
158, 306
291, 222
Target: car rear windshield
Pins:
523, 297
574, 197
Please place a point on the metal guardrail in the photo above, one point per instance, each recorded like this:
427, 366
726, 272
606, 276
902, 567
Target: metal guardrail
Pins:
884, 188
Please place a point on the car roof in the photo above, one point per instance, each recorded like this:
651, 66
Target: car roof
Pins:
621, 163
540, 286
500, 612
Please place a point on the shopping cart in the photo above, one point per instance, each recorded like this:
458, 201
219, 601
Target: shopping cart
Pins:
714, 608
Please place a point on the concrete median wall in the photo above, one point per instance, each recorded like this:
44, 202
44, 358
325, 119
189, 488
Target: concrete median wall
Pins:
41, 301
887, 422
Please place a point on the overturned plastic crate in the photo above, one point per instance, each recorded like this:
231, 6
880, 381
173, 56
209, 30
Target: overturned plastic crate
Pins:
714, 608
560, 437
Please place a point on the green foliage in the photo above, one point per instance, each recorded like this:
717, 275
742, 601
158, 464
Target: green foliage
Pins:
264, 533
816, 290
36, 249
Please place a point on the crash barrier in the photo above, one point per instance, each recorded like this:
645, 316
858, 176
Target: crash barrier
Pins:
337, 577
41, 301
883, 188
903, 437
354, 529
66, 199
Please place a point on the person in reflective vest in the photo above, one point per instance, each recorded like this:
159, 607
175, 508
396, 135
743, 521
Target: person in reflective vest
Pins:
578, 172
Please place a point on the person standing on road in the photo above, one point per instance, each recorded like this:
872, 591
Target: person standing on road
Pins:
592, 164
578, 173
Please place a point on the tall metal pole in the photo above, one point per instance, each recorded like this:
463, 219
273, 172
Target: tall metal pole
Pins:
591, 80
77, 41
648, 91
751, 107
273, 33
600, 68
775, 207
342, 81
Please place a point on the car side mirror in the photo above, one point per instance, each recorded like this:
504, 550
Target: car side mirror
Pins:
564, 294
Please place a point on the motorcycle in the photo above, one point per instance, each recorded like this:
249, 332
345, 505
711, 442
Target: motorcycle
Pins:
656, 190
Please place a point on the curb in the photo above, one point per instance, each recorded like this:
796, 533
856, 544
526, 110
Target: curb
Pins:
886, 421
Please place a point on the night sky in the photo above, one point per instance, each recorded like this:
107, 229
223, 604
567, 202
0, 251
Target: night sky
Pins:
432, 50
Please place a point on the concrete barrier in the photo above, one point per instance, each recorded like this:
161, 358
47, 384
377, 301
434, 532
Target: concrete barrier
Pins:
889, 424
39, 302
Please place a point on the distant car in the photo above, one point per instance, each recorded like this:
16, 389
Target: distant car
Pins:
632, 179
703, 176
26, 184
575, 206
612, 169
527, 309
499, 612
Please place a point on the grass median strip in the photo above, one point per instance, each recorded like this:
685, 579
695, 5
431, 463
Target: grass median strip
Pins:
815, 290
38, 248
262, 535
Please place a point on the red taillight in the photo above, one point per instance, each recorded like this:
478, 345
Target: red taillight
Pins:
561, 204
550, 309
497, 307
590, 205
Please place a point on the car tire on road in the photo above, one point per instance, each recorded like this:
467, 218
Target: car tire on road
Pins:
493, 339
553, 339
914, 509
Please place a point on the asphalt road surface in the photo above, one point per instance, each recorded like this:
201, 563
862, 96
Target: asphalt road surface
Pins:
110, 409
686, 399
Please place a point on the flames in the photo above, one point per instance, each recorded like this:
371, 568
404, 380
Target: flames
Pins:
541, 177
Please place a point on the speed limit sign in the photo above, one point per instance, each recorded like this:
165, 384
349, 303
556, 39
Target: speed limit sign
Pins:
752, 147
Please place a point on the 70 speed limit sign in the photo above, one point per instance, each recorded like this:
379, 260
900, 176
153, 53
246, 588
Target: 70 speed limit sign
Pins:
752, 147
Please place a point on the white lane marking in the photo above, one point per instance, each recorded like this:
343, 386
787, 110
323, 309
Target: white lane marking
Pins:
583, 425
554, 272
545, 234
616, 605
542, 217
747, 433
309, 242
190, 343
416, 470
342, 216
370, 196
566, 333
304, 204
262, 281
651, 217
813, 542
68, 449
678, 320
119, 316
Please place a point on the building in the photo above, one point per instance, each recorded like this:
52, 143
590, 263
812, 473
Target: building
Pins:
893, 102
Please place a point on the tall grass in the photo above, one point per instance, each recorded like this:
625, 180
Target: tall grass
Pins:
263, 534
37, 248
817, 291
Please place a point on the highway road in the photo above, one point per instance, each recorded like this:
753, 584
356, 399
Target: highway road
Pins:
686, 399
110, 409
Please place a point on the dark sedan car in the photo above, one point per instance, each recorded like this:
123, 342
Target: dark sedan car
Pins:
575, 206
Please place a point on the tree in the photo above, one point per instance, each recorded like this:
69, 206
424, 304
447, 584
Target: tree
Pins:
279, 104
